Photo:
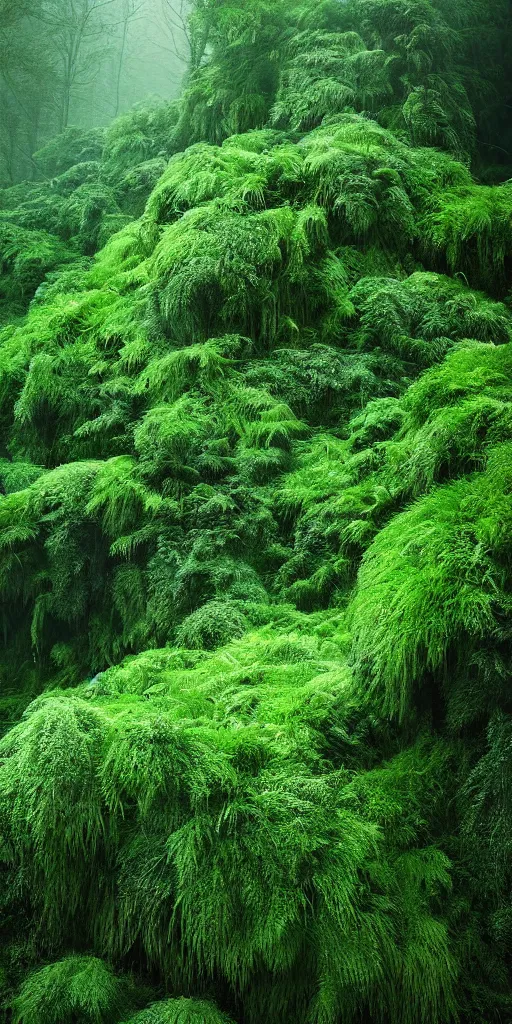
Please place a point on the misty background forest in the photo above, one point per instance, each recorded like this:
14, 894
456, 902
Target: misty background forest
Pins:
80, 63
256, 512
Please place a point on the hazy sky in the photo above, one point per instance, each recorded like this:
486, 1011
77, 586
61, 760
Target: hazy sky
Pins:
151, 68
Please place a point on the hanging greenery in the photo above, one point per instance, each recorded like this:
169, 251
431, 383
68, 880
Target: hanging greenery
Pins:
255, 522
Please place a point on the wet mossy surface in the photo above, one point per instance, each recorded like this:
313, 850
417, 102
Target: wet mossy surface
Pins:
255, 536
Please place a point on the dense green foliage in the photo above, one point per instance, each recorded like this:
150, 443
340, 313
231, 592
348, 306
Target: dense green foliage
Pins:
255, 534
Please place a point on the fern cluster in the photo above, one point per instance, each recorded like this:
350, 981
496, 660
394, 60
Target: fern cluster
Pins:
255, 519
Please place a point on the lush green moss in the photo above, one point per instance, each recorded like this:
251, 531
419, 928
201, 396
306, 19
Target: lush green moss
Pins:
255, 520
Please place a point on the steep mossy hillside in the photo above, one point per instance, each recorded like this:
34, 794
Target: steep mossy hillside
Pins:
255, 535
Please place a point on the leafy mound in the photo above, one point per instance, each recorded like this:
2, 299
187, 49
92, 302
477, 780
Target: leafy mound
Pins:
256, 468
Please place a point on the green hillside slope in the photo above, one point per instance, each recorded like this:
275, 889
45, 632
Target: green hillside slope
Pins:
255, 534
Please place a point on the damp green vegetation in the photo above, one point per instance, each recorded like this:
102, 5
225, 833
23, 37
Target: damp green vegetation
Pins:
256, 531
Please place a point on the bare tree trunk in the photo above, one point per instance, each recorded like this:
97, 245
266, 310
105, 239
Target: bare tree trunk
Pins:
120, 65
76, 26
